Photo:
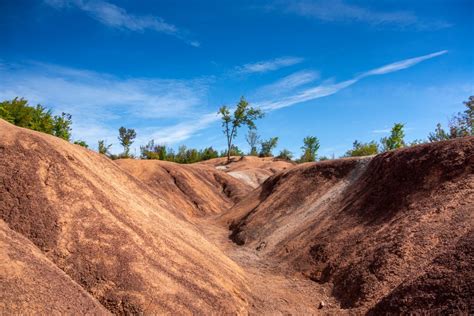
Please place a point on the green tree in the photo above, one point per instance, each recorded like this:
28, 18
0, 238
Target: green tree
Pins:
103, 148
126, 137
152, 151
234, 151
243, 114
310, 148
170, 155
209, 153
268, 146
38, 118
285, 154
4, 114
438, 135
462, 124
18, 111
252, 139
62, 126
81, 143
362, 149
181, 154
41, 120
396, 138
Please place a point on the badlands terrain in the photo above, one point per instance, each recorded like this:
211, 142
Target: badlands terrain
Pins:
82, 234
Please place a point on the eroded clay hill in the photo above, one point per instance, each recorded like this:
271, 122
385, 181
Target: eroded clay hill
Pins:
250, 170
28, 280
108, 233
196, 190
82, 234
393, 233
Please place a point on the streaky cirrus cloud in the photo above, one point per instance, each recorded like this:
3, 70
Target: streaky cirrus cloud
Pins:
288, 83
301, 78
114, 16
339, 11
268, 65
98, 98
403, 64
327, 89
176, 133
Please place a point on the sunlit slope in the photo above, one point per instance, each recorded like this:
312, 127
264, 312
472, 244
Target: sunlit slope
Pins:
108, 232
196, 190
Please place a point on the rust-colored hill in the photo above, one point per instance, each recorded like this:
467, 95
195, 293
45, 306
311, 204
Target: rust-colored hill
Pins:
106, 231
250, 170
32, 284
81, 234
389, 234
196, 190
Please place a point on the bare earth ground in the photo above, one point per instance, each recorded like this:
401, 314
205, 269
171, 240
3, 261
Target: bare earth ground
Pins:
386, 234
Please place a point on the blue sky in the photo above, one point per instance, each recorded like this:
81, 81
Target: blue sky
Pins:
340, 70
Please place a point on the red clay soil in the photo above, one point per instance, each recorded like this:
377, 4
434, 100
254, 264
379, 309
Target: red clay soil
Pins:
196, 190
250, 170
82, 234
390, 234
32, 284
107, 232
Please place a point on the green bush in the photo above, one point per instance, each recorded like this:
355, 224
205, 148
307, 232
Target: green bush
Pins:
38, 118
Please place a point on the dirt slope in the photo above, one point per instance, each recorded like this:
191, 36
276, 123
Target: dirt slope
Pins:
392, 233
32, 284
108, 232
82, 234
250, 170
196, 190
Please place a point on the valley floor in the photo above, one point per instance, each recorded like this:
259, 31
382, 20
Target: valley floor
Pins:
273, 290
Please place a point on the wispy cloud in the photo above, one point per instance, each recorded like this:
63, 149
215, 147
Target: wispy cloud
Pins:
403, 64
268, 65
288, 83
87, 90
341, 11
182, 131
98, 101
327, 89
117, 17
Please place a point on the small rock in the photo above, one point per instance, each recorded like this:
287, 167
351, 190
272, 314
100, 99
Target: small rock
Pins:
261, 246
321, 305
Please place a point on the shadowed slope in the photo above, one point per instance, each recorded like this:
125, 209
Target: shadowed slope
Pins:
395, 222
196, 190
108, 232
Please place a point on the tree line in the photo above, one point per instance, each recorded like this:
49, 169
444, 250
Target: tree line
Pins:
39, 118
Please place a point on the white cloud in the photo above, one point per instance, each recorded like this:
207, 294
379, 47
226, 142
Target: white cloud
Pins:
340, 11
399, 65
99, 101
181, 131
327, 89
94, 99
288, 83
316, 92
87, 91
269, 65
117, 17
